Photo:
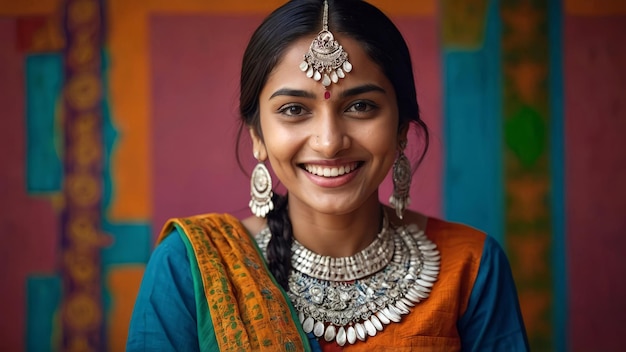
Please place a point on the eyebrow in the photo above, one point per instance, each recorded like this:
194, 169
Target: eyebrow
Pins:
347, 93
293, 93
362, 89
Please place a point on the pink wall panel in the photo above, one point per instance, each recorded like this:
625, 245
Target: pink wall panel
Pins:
195, 78
29, 225
595, 124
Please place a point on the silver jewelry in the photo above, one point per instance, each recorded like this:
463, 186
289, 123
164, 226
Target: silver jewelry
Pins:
261, 191
364, 263
326, 60
401, 176
347, 311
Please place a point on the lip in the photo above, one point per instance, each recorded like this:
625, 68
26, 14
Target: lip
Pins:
334, 174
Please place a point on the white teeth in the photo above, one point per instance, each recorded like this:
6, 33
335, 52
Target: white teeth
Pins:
330, 171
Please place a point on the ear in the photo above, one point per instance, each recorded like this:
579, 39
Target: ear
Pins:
258, 147
403, 133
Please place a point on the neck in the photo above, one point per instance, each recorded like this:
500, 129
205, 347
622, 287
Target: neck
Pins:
337, 235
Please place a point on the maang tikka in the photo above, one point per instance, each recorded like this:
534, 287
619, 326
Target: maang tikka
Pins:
401, 176
326, 60
261, 190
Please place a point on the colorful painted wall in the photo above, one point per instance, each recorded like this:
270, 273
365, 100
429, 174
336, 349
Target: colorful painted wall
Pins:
119, 114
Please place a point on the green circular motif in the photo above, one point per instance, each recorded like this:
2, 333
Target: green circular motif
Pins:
525, 135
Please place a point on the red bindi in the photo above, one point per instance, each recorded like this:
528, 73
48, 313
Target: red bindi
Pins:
326, 95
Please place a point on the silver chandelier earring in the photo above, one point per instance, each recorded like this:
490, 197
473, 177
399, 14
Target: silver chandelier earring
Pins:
326, 60
401, 176
261, 190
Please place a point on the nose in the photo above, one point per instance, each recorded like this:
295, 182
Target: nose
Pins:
329, 136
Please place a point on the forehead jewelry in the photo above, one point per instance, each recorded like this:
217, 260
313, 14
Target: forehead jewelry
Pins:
326, 60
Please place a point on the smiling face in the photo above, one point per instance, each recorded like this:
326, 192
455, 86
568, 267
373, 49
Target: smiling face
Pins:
331, 151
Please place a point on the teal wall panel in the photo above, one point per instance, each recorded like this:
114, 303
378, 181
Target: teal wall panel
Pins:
44, 81
473, 131
44, 297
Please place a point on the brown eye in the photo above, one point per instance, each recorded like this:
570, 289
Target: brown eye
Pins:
292, 110
360, 107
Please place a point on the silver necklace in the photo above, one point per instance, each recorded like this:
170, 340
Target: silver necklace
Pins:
364, 263
375, 295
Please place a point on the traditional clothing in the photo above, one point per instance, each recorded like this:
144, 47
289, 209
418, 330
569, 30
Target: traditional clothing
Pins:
207, 288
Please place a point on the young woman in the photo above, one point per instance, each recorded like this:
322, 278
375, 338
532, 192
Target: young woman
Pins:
328, 97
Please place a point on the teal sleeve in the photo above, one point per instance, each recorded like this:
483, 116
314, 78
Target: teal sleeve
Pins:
164, 316
493, 320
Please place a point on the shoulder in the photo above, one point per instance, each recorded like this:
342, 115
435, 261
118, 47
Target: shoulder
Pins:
454, 233
461, 251
446, 234
170, 255
207, 222
164, 315
461, 246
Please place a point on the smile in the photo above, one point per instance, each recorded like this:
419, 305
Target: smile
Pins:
334, 171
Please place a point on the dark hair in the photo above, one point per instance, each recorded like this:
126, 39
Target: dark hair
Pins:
357, 19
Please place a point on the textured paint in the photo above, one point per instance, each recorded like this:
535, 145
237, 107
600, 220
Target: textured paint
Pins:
129, 86
43, 299
195, 91
82, 313
595, 7
130, 244
29, 239
44, 80
473, 136
463, 23
397, 7
557, 170
40, 34
130, 240
110, 135
122, 284
409, 8
595, 121
526, 116
28, 7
